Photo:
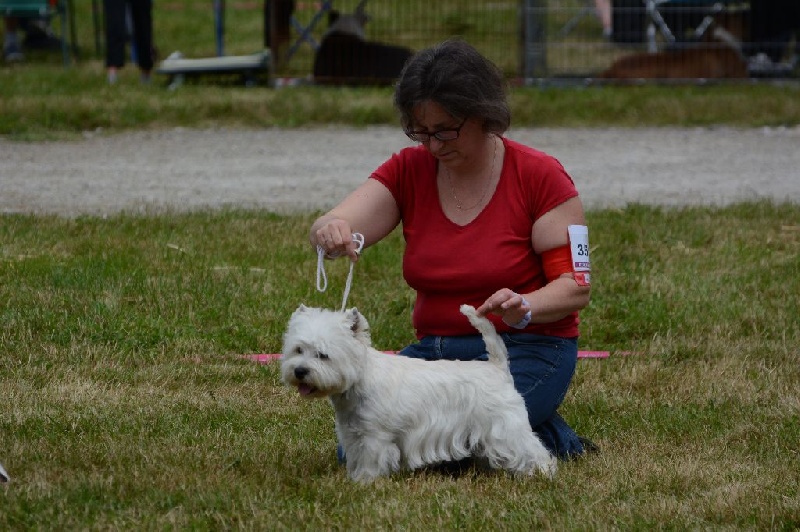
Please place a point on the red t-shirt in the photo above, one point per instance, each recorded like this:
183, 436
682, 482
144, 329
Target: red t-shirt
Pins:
448, 264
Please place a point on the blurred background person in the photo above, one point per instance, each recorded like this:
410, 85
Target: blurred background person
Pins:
117, 35
12, 50
603, 10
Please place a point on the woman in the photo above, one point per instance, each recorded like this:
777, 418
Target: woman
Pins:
485, 220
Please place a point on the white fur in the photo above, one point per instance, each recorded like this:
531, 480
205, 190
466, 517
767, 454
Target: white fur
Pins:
393, 411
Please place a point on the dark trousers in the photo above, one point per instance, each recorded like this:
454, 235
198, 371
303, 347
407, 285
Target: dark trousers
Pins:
117, 31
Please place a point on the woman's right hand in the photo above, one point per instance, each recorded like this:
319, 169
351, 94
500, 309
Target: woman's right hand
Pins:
370, 210
335, 237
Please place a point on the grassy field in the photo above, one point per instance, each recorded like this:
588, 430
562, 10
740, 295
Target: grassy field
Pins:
39, 99
39, 102
124, 403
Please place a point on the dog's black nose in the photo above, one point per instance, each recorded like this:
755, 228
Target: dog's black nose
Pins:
300, 373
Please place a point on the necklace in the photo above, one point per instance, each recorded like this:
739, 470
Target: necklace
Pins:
459, 206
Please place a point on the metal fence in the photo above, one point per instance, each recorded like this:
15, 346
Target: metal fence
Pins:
540, 40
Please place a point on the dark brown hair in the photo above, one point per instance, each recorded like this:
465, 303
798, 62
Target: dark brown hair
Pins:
457, 77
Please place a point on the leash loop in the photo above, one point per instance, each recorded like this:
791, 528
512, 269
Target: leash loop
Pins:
322, 277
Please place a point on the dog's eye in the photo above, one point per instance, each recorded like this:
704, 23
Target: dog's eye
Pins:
322, 356
298, 351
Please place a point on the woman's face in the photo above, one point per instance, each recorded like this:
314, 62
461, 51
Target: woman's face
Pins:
430, 117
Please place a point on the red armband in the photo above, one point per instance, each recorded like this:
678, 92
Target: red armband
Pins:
556, 262
572, 258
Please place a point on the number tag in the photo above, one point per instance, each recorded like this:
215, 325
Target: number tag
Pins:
579, 246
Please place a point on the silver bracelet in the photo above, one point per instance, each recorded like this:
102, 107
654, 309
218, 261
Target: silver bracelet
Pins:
526, 319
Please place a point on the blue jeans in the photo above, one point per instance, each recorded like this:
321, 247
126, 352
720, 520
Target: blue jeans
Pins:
542, 369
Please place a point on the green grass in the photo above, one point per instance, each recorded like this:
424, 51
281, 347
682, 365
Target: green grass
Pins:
40, 103
124, 403
39, 99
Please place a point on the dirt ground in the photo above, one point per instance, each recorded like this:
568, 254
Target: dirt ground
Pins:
302, 169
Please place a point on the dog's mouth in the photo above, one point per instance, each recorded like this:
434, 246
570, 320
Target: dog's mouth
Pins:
306, 389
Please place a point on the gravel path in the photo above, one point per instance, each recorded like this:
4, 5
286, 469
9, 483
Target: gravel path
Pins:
301, 169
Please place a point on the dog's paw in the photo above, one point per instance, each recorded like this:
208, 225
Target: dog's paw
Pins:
548, 468
364, 475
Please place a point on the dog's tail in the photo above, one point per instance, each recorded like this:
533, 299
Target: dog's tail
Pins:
498, 354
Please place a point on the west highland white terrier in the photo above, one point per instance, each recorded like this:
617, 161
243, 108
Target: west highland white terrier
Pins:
393, 411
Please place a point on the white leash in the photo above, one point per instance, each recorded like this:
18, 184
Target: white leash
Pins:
322, 277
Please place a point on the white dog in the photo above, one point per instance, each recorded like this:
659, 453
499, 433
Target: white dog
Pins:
393, 411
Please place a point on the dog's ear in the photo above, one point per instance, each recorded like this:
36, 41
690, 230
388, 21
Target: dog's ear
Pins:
360, 14
359, 325
355, 318
302, 309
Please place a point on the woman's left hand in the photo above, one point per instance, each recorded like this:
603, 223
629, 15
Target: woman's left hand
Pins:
506, 303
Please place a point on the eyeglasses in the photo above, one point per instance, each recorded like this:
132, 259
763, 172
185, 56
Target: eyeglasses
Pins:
442, 135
